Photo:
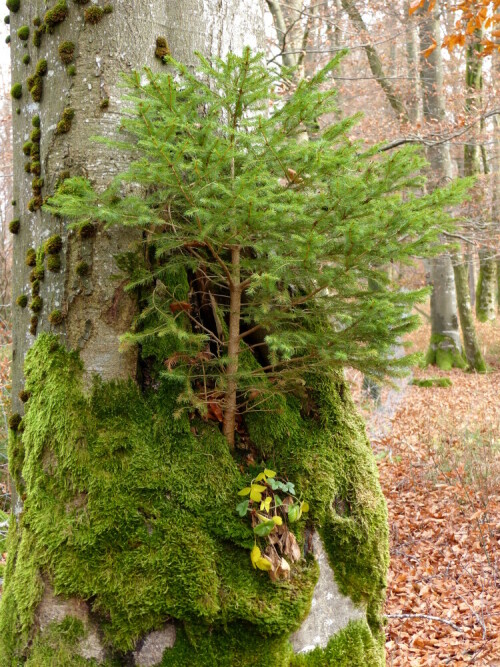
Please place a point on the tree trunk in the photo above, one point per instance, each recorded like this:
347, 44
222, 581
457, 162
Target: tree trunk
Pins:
412, 48
471, 344
124, 547
445, 348
486, 298
487, 279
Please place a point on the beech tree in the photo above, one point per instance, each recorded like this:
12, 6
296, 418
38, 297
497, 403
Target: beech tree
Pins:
124, 544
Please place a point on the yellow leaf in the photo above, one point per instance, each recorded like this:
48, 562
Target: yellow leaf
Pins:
258, 487
269, 473
278, 520
244, 492
260, 476
255, 495
304, 507
264, 564
266, 504
255, 555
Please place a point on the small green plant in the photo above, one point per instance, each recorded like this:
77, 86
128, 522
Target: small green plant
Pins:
272, 505
278, 238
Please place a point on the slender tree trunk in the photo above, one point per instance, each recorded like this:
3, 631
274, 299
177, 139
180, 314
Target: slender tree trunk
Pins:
471, 344
445, 348
486, 298
487, 279
412, 48
229, 426
375, 62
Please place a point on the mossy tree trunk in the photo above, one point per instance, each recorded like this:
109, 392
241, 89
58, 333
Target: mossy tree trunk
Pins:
445, 349
487, 279
471, 344
124, 547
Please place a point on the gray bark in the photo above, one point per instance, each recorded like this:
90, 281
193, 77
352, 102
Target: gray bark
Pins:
471, 344
95, 307
412, 49
445, 336
375, 62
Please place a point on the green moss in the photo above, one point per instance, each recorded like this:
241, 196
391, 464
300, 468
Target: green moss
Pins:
432, 382
56, 15
22, 300
54, 263
23, 33
36, 135
15, 226
64, 125
27, 147
444, 353
35, 288
35, 121
38, 272
26, 59
37, 21
94, 14
162, 49
34, 325
31, 257
7, 39
36, 304
37, 184
56, 317
17, 91
36, 168
6, 19
53, 245
37, 37
14, 421
13, 5
58, 644
71, 70
87, 230
108, 9
35, 82
27, 167
24, 395
35, 203
136, 511
41, 67
82, 269
35, 150
104, 104
66, 52
351, 647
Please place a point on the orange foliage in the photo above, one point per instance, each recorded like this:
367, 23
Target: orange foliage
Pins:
476, 15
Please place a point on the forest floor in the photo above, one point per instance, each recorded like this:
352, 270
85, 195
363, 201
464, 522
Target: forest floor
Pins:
438, 451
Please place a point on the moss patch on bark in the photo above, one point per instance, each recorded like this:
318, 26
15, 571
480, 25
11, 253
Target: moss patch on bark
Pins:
134, 512
444, 353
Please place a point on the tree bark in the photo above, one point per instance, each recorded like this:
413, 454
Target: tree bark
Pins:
445, 348
471, 343
375, 62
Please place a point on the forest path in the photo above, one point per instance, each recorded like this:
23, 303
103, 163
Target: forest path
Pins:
438, 451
